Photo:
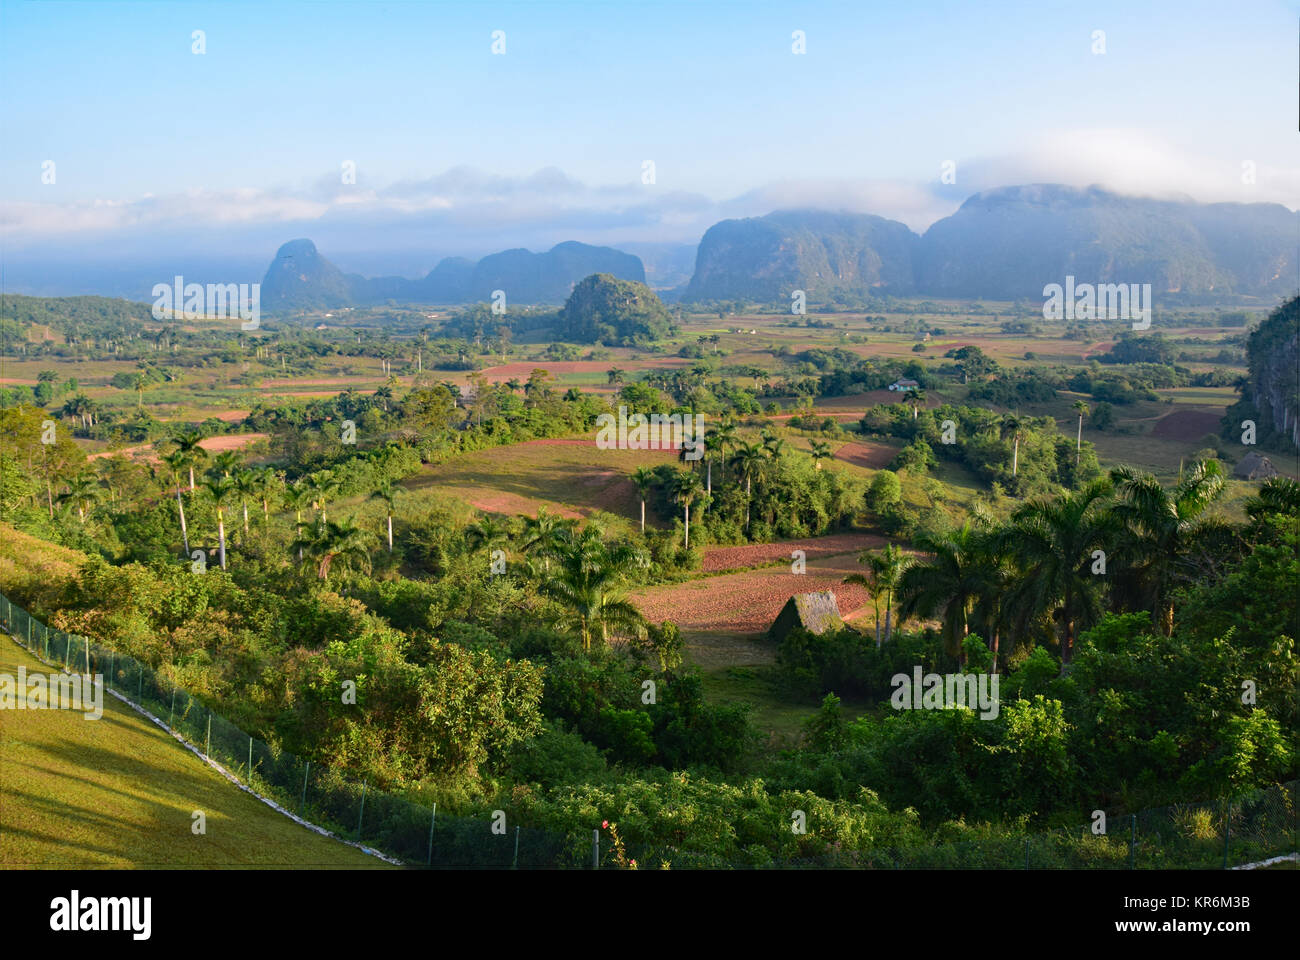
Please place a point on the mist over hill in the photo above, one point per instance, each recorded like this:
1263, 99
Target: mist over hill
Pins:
1008, 243
1002, 244
1005, 244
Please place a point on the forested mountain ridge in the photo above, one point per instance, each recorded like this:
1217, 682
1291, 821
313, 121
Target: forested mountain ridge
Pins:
301, 279
1005, 244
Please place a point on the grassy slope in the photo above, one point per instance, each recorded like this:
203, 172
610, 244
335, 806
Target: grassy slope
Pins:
119, 792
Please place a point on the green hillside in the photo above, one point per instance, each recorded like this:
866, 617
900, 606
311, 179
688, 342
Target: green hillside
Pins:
120, 792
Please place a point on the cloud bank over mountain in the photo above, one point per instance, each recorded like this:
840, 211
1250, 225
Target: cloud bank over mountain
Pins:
404, 227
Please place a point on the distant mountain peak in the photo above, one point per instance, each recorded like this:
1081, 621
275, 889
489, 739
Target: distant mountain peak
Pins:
299, 278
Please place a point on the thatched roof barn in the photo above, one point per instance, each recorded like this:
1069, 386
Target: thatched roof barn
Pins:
1254, 466
814, 612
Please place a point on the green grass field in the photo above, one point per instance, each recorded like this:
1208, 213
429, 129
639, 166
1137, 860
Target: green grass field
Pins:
120, 792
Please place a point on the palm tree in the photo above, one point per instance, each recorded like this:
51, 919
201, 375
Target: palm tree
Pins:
544, 533
587, 581
389, 494
749, 461
84, 490
947, 584
821, 450
702, 435
487, 533
686, 490
219, 489
615, 376
916, 397
1012, 426
189, 443
1081, 409
268, 484
1279, 495
323, 486
138, 384
1053, 542
868, 583
881, 579
724, 439
246, 485
643, 478
1159, 526
991, 563
887, 568
299, 496
337, 543
177, 461
225, 463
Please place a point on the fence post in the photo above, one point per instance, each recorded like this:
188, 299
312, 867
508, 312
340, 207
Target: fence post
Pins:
171, 720
432, 820
249, 778
1227, 833
595, 849
112, 668
302, 804
139, 684
362, 812
1026, 853
1132, 841
207, 744
87, 656
515, 865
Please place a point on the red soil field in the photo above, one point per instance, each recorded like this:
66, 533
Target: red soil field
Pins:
873, 456
1187, 425
747, 603
210, 444
507, 371
717, 559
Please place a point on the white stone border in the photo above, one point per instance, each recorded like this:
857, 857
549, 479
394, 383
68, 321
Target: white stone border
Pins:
1268, 863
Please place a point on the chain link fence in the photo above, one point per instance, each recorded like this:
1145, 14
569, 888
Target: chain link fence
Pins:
406, 831
1247, 829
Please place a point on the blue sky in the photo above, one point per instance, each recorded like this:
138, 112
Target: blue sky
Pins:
458, 150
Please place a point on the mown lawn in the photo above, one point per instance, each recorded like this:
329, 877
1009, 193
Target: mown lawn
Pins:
120, 792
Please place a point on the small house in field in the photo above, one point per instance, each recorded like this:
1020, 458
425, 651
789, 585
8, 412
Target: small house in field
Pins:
814, 612
1254, 466
904, 385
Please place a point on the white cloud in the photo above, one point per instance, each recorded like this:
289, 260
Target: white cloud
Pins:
465, 208
1133, 162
